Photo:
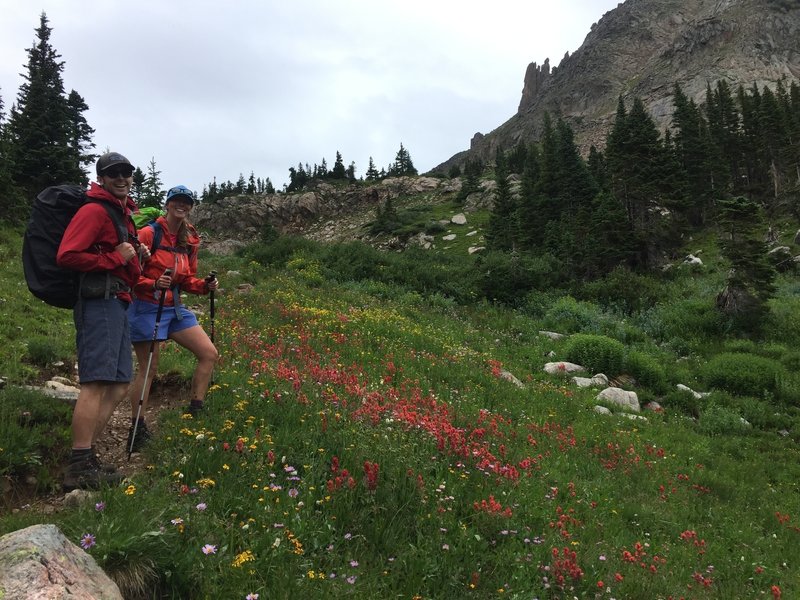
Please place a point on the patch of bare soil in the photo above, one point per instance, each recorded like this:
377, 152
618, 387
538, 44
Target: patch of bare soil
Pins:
169, 392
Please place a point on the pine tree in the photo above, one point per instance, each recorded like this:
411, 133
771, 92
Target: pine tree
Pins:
723, 127
137, 187
472, 178
517, 157
372, 173
241, 184
80, 138
500, 231
547, 190
338, 171
47, 135
530, 221
13, 208
351, 172
755, 175
251, 184
772, 147
596, 164
750, 283
152, 192
403, 164
637, 171
694, 153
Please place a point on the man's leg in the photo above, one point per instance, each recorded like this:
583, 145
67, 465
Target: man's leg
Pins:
86, 414
83, 470
113, 394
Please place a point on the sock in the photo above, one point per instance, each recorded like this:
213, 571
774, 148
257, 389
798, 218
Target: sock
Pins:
196, 404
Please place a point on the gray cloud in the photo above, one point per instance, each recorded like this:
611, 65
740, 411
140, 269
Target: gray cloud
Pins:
213, 89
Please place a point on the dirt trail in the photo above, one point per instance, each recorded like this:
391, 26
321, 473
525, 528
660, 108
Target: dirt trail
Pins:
169, 393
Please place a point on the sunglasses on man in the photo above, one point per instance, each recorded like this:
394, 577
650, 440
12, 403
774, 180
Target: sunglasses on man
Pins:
113, 173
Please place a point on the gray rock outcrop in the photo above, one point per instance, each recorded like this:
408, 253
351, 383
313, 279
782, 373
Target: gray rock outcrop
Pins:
40, 562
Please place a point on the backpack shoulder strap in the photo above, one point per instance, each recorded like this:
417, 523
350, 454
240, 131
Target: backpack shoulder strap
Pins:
117, 218
158, 233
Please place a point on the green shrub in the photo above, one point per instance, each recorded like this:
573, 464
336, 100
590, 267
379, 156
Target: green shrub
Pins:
759, 413
42, 351
743, 374
598, 353
782, 323
684, 402
307, 268
720, 420
434, 227
278, 252
33, 430
507, 277
568, 315
685, 319
646, 370
624, 290
353, 261
791, 360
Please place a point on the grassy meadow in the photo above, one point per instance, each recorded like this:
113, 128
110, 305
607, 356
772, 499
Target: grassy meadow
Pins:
363, 440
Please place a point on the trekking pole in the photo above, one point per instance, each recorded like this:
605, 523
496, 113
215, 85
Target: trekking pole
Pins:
211, 277
168, 272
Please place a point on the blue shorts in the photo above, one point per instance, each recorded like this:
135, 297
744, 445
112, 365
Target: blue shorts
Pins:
142, 317
103, 340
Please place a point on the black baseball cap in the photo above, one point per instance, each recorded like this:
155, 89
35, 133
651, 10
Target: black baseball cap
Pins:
111, 159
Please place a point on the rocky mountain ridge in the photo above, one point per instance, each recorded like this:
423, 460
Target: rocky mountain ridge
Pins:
324, 212
641, 49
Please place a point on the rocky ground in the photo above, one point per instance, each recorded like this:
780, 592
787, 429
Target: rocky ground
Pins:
169, 393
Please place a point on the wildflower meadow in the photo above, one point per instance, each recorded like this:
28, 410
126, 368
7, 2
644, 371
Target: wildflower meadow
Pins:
364, 447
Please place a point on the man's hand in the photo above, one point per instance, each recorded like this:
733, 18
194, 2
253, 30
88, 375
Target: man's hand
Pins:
126, 250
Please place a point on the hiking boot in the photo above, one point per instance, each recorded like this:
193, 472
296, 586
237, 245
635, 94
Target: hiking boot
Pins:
194, 409
84, 474
142, 437
95, 460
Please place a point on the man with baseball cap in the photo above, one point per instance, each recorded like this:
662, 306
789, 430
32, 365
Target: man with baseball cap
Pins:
93, 243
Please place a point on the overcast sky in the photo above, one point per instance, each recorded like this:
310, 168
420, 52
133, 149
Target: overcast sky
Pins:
215, 89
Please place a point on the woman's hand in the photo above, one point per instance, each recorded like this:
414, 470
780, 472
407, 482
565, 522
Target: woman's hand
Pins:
164, 282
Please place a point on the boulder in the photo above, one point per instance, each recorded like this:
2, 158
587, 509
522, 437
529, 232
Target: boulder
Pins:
511, 378
563, 368
599, 380
620, 397
686, 388
40, 562
552, 335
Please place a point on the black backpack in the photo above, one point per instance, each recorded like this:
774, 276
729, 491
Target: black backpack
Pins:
52, 211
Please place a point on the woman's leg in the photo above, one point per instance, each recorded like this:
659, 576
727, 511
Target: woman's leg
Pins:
142, 350
198, 343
